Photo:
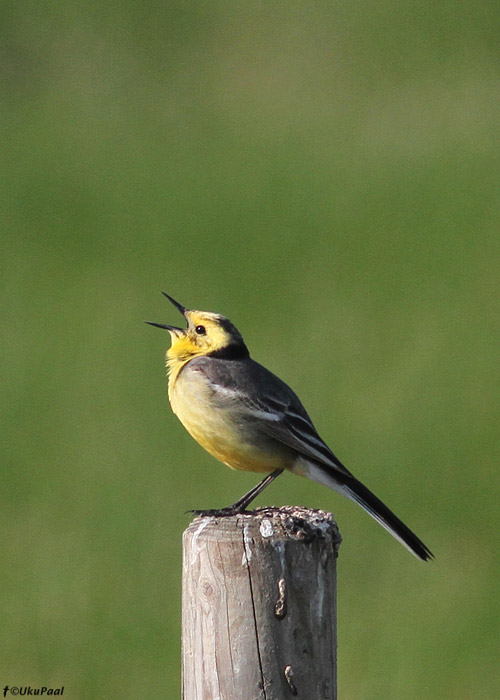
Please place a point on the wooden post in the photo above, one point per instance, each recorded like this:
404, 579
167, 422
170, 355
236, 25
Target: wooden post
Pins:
259, 606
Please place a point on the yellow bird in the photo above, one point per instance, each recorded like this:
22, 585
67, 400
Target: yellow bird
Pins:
247, 418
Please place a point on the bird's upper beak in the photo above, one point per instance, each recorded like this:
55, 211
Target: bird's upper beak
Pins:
173, 329
178, 306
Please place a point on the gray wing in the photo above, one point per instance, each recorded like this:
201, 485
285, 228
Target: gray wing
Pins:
260, 397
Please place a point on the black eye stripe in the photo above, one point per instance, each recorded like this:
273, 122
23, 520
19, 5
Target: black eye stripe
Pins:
200, 330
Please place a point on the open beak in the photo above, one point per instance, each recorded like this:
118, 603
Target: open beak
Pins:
166, 327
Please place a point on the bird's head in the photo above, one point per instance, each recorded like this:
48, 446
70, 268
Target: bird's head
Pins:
206, 334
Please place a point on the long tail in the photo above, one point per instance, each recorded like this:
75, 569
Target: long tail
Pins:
353, 489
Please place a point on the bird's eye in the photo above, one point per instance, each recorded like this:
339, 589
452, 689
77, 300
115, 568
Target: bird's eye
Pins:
200, 330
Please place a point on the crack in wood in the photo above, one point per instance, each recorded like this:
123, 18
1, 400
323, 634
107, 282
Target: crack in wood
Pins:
248, 556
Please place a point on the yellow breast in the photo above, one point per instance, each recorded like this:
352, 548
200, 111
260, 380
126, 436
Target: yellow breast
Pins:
217, 430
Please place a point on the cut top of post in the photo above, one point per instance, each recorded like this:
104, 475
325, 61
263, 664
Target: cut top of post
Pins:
284, 523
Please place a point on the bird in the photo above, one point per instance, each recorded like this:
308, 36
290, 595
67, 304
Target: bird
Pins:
249, 419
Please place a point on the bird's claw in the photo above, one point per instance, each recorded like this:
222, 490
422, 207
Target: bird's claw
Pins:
218, 512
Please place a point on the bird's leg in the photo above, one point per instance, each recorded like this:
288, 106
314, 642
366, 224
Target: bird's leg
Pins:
245, 500
241, 505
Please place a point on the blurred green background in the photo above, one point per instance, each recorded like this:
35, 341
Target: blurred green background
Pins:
326, 175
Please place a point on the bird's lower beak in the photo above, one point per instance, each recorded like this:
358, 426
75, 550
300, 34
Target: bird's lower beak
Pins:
172, 329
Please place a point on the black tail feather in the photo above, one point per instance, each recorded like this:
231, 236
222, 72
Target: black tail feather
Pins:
357, 492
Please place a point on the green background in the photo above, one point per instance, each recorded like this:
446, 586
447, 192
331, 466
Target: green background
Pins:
326, 174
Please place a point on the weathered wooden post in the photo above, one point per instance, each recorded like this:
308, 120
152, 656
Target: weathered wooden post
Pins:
259, 606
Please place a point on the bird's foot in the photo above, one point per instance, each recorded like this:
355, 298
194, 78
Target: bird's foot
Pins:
219, 512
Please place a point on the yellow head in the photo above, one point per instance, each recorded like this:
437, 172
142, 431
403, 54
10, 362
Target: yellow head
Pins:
206, 334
